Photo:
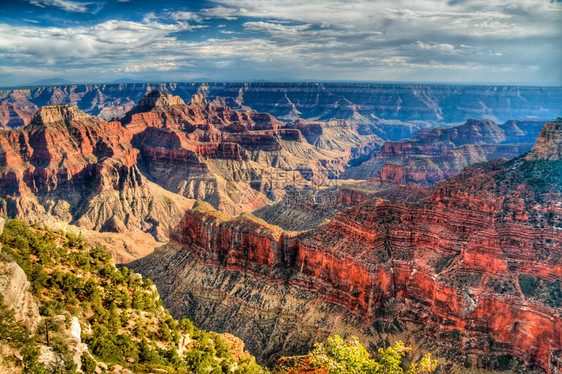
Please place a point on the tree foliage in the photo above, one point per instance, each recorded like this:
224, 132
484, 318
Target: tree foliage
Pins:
338, 356
123, 321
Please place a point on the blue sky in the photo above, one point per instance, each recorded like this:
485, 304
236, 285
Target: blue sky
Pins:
461, 41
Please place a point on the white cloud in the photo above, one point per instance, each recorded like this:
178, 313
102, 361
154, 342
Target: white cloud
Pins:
445, 47
318, 39
159, 66
105, 39
404, 17
185, 16
226, 13
274, 28
67, 5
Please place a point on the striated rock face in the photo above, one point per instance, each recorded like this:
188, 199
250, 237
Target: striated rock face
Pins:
140, 173
475, 269
66, 166
236, 160
359, 103
309, 208
14, 115
157, 109
436, 154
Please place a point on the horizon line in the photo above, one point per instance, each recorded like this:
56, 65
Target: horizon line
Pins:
197, 81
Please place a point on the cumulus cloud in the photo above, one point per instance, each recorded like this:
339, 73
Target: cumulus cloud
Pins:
455, 35
227, 13
493, 16
160, 66
105, 39
275, 28
185, 16
440, 46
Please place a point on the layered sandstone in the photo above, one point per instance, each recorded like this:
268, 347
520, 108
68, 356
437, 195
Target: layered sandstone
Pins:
475, 268
436, 154
236, 160
309, 208
139, 173
549, 143
14, 115
66, 166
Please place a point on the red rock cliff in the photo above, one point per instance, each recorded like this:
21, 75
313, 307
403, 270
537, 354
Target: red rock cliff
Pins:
66, 166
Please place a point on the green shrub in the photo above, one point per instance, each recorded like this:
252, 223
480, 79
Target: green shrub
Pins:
88, 364
528, 284
128, 325
338, 356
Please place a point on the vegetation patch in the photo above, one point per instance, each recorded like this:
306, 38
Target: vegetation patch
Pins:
120, 313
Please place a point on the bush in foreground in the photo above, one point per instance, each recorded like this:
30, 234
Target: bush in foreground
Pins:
338, 356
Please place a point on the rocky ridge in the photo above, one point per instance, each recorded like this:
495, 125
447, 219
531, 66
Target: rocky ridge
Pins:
142, 172
549, 143
440, 153
66, 166
376, 105
237, 161
85, 315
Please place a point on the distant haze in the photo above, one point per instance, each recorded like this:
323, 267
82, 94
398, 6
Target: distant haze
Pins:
462, 41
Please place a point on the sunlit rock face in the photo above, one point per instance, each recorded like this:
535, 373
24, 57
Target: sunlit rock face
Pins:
471, 272
549, 143
142, 172
66, 166
238, 161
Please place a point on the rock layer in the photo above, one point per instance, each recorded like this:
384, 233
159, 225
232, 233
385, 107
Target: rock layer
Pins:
549, 143
66, 166
440, 153
140, 173
237, 161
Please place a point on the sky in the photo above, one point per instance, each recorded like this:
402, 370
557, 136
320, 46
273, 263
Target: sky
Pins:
438, 41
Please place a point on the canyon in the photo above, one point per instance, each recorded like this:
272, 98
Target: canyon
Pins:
473, 271
287, 213
432, 155
139, 174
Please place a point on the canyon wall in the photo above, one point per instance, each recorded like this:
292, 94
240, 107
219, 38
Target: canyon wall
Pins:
363, 103
140, 173
66, 167
432, 155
